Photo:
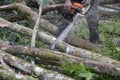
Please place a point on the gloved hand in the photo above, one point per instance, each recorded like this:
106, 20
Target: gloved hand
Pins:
68, 4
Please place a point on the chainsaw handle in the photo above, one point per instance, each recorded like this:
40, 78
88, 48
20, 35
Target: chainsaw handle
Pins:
85, 9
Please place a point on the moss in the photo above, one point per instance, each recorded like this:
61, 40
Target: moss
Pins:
52, 55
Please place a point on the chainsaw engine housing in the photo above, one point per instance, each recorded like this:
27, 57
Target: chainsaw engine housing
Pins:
70, 13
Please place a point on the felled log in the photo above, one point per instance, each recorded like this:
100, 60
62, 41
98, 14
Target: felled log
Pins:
115, 6
52, 8
61, 45
108, 11
8, 74
22, 65
108, 1
60, 58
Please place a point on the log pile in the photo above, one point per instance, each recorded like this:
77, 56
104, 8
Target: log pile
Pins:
76, 51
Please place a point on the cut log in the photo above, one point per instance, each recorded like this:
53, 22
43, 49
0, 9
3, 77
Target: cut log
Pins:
108, 1
52, 7
60, 58
22, 65
108, 11
7, 74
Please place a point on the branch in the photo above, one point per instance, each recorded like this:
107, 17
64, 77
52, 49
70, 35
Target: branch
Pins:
36, 25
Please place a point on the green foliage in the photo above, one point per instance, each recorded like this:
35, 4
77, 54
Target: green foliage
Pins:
98, 76
16, 38
41, 44
6, 1
8, 35
83, 30
108, 32
80, 72
77, 71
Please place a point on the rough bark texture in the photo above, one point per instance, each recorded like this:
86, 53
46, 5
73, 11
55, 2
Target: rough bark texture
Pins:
52, 7
43, 74
6, 74
108, 1
61, 45
108, 11
60, 58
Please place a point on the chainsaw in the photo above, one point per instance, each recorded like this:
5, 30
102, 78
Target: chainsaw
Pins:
75, 14
70, 13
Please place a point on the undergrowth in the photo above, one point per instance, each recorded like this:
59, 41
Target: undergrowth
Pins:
110, 37
80, 72
14, 38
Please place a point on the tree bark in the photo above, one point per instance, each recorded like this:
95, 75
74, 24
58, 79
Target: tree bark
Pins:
60, 58
6, 74
52, 8
61, 45
43, 74
108, 1
108, 11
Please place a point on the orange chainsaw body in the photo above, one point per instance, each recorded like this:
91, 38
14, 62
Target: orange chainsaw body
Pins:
77, 5
69, 13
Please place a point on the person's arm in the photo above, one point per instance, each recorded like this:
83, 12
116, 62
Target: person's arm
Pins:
68, 4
